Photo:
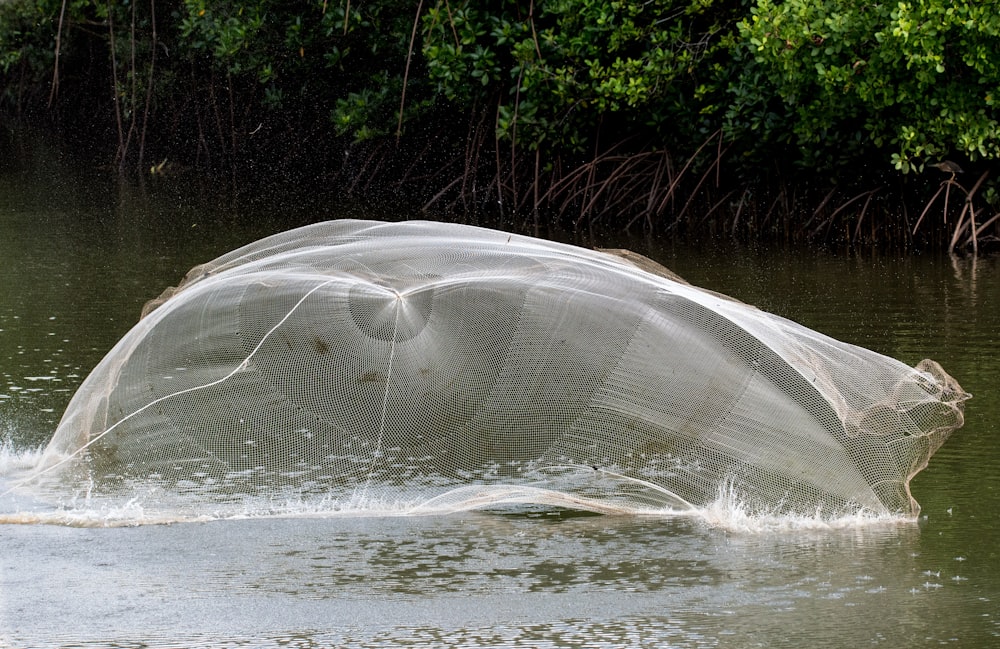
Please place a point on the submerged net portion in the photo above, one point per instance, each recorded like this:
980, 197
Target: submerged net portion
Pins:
447, 365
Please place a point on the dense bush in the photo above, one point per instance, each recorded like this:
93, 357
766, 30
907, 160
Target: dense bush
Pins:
555, 71
918, 80
828, 85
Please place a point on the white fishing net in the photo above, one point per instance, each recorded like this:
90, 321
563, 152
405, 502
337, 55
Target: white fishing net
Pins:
445, 366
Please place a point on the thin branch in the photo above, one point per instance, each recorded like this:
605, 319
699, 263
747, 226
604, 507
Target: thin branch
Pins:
436, 197
716, 206
406, 72
927, 208
979, 182
701, 181
861, 217
534, 211
132, 87
513, 139
829, 219
496, 152
819, 208
964, 225
978, 231
947, 192
684, 169
451, 22
54, 90
534, 34
739, 211
114, 87
149, 83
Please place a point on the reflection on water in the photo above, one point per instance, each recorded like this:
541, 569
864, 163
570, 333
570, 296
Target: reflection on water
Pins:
554, 578
75, 268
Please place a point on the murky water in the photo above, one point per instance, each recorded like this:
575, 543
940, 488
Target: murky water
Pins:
79, 256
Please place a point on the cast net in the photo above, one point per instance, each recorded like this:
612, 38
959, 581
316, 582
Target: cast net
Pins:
432, 367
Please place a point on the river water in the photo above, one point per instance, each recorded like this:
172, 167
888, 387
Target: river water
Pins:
79, 254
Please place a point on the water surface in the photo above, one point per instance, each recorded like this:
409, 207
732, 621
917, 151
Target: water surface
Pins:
80, 253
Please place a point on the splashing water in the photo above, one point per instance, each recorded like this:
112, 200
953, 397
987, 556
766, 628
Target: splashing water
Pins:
150, 504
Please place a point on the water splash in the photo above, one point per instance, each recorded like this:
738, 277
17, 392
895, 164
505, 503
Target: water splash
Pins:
148, 503
17, 462
732, 512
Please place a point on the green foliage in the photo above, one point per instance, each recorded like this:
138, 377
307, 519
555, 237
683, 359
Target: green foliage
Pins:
367, 113
916, 79
348, 57
25, 43
229, 32
822, 83
557, 68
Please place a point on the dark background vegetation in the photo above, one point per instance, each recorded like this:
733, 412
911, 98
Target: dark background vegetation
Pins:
814, 120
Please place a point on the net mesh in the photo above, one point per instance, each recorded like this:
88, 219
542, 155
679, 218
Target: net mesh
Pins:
445, 365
